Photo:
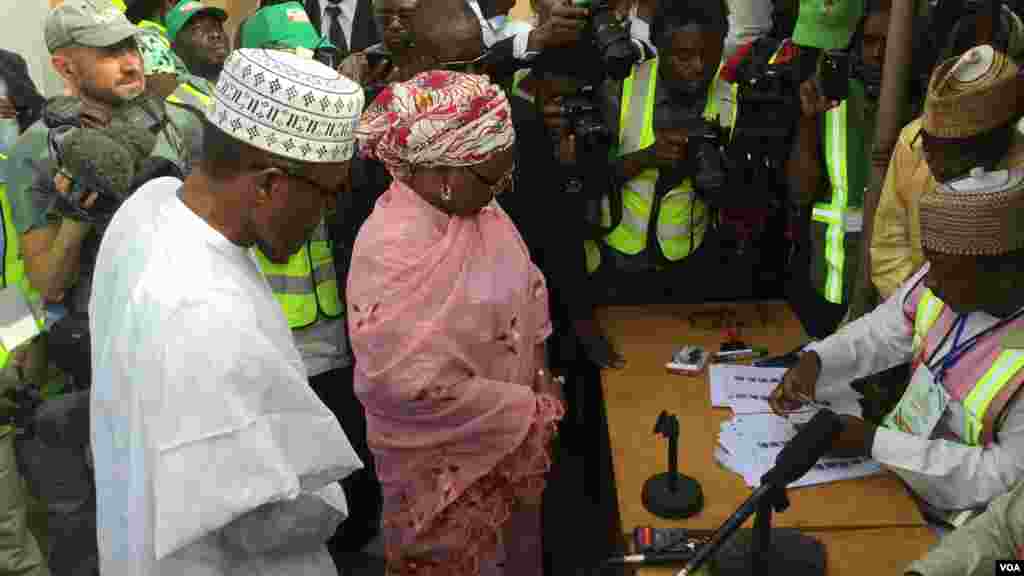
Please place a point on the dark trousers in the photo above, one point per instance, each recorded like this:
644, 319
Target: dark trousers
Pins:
54, 464
362, 489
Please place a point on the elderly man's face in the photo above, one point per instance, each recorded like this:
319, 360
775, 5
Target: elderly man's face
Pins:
297, 199
971, 283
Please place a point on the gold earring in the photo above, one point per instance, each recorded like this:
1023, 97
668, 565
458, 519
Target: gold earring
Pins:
446, 194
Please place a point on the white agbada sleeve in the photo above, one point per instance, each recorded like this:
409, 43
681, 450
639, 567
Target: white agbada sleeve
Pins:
874, 342
238, 427
953, 476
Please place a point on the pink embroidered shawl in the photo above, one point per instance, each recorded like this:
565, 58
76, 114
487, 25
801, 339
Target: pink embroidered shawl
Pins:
445, 314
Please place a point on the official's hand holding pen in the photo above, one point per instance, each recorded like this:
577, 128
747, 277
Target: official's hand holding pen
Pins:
798, 384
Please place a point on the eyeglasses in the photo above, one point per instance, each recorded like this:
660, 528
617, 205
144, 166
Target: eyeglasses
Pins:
293, 174
465, 66
496, 186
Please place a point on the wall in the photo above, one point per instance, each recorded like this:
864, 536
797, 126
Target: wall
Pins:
22, 32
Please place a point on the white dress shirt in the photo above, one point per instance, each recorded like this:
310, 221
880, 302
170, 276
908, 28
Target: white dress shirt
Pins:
501, 27
948, 475
748, 21
640, 34
347, 17
213, 456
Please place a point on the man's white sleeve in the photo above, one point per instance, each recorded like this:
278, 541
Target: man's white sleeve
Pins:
954, 476
873, 343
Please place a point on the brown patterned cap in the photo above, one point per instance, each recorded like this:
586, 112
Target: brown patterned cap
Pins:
966, 97
981, 214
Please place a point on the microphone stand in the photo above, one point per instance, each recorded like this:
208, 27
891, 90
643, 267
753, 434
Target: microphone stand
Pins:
671, 494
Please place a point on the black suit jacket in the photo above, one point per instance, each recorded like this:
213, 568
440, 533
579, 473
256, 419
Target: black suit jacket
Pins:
364, 30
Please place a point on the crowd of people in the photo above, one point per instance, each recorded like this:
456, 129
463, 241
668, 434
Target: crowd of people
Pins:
331, 275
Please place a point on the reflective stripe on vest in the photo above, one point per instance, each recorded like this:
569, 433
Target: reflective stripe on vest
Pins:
187, 95
636, 130
835, 235
985, 390
929, 308
307, 285
977, 402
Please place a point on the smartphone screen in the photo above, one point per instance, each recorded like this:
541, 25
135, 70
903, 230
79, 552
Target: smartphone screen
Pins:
834, 75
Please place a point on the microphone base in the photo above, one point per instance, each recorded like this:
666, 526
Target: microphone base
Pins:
687, 500
790, 553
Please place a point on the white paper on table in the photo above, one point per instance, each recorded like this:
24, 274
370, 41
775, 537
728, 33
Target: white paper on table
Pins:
17, 323
749, 444
728, 379
833, 469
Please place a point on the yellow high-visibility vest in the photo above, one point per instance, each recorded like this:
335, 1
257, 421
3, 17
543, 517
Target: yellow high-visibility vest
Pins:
979, 400
13, 271
682, 219
306, 286
186, 94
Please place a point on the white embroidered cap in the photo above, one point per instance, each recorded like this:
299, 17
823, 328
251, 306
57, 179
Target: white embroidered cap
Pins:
287, 105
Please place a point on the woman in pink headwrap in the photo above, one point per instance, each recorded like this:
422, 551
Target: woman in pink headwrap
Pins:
448, 318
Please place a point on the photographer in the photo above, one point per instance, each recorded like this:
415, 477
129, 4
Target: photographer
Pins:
827, 168
94, 51
660, 115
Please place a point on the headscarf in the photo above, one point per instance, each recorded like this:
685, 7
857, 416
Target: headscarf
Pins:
437, 118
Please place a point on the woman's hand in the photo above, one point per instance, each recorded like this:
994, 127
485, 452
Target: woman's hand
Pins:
546, 383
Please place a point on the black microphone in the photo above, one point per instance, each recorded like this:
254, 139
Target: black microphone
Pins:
802, 452
795, 460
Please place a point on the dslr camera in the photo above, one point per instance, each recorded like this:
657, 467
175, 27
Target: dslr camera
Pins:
586, 123
608, 34
706, 161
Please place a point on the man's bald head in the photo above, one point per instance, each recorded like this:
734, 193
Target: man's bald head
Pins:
446, 30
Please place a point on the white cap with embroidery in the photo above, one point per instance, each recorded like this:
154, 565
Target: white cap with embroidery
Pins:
287, 105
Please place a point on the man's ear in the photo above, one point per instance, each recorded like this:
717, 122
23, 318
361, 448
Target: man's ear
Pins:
65, 67
266, 185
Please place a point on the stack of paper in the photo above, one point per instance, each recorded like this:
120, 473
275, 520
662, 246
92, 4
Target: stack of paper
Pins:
749, 443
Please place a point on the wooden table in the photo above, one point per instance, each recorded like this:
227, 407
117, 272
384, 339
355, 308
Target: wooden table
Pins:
856, 552
635, 395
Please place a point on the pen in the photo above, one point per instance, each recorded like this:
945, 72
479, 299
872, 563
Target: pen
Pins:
784, 360
741, 353
663, 558
808, 402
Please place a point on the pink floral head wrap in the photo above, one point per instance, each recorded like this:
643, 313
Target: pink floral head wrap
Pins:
437, 118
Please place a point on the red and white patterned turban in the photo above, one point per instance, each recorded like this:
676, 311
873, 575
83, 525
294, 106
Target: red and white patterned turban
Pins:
437, 118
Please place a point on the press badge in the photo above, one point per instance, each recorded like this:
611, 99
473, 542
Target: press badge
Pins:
1014, 339
921, 407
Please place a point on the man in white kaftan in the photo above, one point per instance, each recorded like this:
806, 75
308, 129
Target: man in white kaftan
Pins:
213, 456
